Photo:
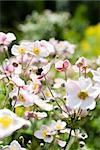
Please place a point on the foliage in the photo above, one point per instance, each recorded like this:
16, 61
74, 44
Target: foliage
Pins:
90, 44
44, 25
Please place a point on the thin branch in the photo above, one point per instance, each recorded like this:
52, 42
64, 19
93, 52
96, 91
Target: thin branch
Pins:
68, 140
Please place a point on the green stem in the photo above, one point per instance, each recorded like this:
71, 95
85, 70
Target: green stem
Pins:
43, 94
49, 87
79, 72
68, 140
6, 52
65, 75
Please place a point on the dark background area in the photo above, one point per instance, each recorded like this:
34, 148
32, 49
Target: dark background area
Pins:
12, 12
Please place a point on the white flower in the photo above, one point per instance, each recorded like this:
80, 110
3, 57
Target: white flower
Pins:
98, 60
35, 85
10, 122
41, 72
48, 96
42, 104
46, 69
40, 115
18, 50
96, 75
65, 47
41, 48
35, 114
75, 133
14, 145
96, 78
58, 125
80, 94
17, 81
44, 133
21, 97
61, 143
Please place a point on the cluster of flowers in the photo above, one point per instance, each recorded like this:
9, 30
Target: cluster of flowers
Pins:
40, 77
54, 23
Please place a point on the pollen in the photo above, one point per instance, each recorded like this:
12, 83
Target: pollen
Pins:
36, 51
83, 95
35, 86
5, 121
21, 98
22, 50
58, 127
48, 94
44, 133
13, 148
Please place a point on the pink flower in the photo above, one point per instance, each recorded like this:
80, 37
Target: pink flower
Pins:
10, 67
6, 39
65, 47
62, 65
81, 63
35, 114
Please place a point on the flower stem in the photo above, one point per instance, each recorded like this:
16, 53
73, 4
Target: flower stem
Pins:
68, 140
48, 87
79, 72
65, 75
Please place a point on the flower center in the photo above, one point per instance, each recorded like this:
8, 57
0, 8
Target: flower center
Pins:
36, 51
35, 86
22, 50
58, 127
5, 121
21, 98
48, 94
44, 133
13, 148
83, 95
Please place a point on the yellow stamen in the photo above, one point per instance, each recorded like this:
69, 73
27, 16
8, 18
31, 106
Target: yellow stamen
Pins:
21, 98
6, 121
44, 133
13, 148
83, 95
35, 86
22, 50
48, 94
58, 127
36, 51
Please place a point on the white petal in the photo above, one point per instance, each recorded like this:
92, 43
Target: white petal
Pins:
48, 139
73, 102
89, 103
72, 87
38, 134
14, 50
11, 37
85, 83
15, 144
43, 105
61, 143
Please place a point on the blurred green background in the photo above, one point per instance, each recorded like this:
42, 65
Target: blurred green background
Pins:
76, 21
